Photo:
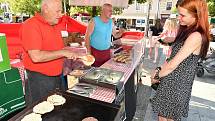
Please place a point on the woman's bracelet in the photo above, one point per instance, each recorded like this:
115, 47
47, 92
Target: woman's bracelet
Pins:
158, 68
157, 75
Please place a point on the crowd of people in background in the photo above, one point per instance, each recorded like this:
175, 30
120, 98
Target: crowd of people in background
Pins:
169, 30
154, 44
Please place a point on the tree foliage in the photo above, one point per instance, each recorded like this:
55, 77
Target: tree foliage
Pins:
31, 6
211, 7
3, 1
117, 11
174, 10
25, 6
1, 11
89, 10
84, 9
139, 1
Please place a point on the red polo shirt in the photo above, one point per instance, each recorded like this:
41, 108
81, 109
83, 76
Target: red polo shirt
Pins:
37, 34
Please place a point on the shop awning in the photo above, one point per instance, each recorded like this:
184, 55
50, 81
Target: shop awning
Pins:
114, 3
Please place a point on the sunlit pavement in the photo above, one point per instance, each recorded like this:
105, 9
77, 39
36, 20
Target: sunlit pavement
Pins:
202, 104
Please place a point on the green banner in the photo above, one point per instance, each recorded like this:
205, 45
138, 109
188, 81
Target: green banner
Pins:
4, 56
11, 92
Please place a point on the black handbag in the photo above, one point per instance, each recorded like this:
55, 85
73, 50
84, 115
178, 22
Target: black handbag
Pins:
155, 86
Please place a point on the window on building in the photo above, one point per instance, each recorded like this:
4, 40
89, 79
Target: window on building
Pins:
150, 21
150, 6
169, 6
137, 6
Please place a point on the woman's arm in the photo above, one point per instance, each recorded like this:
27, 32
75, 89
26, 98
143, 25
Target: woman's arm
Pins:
192, 45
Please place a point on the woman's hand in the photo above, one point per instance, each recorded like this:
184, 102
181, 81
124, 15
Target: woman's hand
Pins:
153, 81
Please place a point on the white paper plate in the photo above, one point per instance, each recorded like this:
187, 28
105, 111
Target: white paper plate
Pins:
74, 44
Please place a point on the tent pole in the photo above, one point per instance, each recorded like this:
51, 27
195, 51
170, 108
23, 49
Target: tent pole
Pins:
64, 6
148, 15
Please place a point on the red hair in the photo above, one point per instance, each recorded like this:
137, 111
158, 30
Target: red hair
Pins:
199, 10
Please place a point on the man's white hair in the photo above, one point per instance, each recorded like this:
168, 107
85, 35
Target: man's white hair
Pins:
106, 5
47, 2
44, 2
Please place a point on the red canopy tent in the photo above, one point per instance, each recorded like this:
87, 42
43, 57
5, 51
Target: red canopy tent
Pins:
71, 25
11, 31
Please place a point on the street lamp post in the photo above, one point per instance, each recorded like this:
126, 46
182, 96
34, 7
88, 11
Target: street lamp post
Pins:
148, 14
158, 9
64, 6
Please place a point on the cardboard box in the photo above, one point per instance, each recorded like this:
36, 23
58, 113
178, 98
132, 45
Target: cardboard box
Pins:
4, 56
11, 92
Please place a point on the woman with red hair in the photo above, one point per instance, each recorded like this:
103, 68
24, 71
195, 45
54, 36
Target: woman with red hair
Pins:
176, 77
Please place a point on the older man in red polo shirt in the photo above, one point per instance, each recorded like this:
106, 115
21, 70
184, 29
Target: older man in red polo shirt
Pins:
44, 53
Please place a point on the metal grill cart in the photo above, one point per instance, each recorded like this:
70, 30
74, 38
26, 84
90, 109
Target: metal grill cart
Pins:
76, 108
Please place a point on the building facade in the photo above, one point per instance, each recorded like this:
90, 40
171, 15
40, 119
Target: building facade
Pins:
165, 7
136, 14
